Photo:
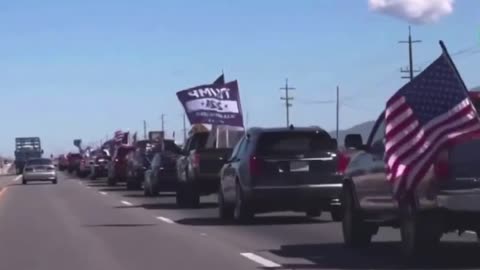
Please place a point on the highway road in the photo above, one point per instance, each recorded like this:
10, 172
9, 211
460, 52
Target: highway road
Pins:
83, 224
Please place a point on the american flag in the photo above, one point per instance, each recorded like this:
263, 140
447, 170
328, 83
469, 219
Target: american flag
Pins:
425, 115
118, 136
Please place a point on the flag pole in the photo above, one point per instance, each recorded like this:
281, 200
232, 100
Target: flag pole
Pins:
445, 51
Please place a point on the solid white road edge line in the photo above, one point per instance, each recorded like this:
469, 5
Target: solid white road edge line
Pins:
260, 260
103, 192
127, 203
167, 220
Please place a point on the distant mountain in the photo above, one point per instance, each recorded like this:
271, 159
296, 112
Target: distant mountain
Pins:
362, 129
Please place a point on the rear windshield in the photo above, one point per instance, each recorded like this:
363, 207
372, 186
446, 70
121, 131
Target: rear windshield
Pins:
40, 162
170, 146
122, 152
294, 143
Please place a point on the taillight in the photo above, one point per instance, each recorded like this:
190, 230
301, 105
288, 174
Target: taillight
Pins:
255, 166
342, 162
196, 160
441, 166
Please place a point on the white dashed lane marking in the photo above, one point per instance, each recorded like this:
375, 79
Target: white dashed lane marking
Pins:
103, 192
260, 260
127, 203
167, 220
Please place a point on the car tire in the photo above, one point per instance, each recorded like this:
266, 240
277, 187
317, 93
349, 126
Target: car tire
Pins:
24, 182
54, 181
147, 191
154, 190
337, 214
225, 211
356, 232
417, 237
242, 211
130, 185
111, 181
187, 196
315, 212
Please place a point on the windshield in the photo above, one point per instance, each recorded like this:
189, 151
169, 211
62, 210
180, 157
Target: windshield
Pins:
293, 143
39, 162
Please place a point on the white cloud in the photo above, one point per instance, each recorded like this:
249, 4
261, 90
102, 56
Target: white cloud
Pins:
414, 11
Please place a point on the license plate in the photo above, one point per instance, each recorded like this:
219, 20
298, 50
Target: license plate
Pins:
299, 166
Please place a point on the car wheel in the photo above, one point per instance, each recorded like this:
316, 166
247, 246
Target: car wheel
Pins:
130, 185
24, 182
242, 211
313, 213
147, 191
356, 232
417, 236
180, 196
225, 211
155, 190
54, 181
187, 196
111, 181
337, 214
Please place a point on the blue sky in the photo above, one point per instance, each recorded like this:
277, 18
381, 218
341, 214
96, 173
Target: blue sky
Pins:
82, 69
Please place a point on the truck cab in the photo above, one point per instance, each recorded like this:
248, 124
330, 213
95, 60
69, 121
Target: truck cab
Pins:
25, 149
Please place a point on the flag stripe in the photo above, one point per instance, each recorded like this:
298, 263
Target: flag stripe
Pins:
413, 150
422, 118
455, 129
419, 171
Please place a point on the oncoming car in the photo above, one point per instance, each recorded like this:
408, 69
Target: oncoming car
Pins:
39, 169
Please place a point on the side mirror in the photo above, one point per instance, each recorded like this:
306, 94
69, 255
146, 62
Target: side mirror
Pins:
354, 141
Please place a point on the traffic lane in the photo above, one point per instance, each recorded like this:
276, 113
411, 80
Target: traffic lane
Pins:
66, 226
295, 241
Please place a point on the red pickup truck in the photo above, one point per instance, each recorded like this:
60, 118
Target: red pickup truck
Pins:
117, 169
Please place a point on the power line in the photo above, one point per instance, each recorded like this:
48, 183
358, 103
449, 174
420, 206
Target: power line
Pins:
287, 99
410, 70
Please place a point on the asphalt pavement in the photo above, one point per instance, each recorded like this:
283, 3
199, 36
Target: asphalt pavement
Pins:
83, 224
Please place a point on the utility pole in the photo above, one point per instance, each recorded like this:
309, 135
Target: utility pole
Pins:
338, 110
184, 129
163, 122
287, 99
410, 70
144, 129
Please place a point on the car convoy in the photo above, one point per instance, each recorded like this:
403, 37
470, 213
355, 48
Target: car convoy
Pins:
291, 168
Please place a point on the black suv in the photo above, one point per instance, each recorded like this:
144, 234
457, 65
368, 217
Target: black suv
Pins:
280, 169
